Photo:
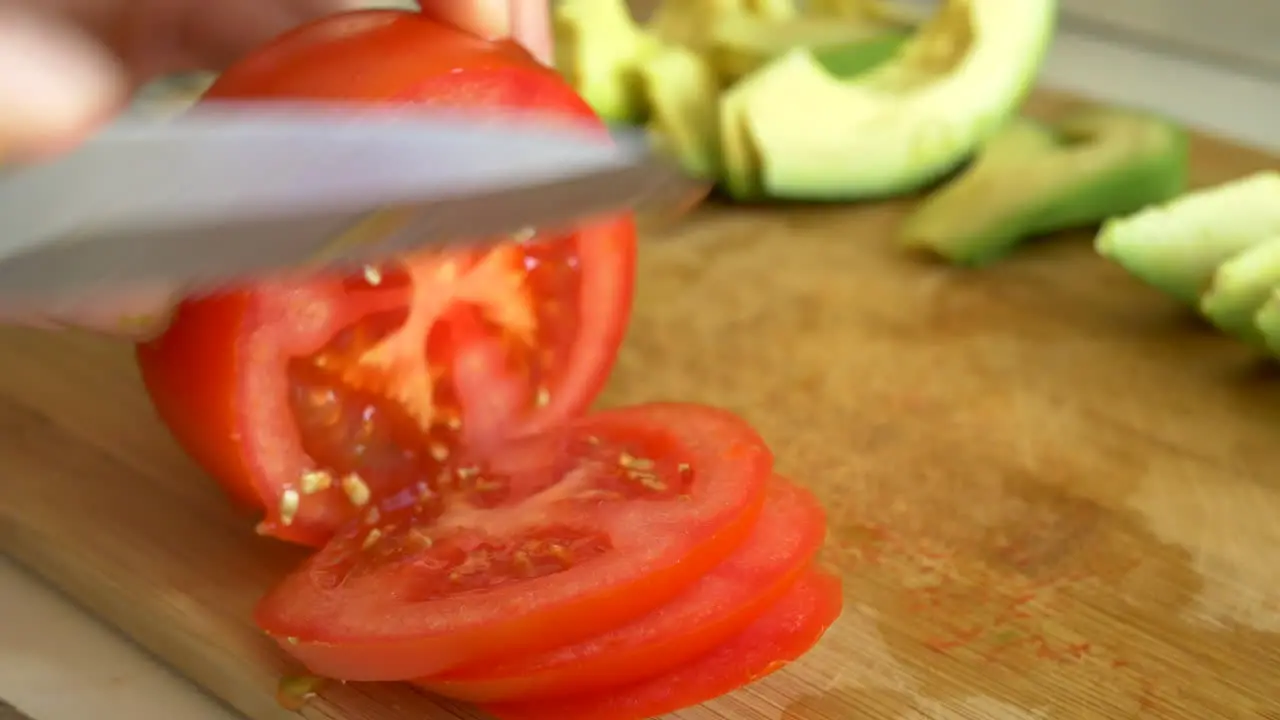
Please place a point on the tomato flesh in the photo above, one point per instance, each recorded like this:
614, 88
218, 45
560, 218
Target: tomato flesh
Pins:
785, 632
720, 605
309, 397
542, 542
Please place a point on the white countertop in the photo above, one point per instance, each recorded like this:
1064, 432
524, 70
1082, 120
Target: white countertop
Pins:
57, 663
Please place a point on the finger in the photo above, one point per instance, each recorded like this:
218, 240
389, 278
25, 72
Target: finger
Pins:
56, 86
526, 21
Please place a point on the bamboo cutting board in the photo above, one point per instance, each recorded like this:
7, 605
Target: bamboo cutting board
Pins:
1051, 494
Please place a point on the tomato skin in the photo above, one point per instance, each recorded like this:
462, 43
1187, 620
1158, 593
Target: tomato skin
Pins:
719, 606
200, 372
370, 625
785, 632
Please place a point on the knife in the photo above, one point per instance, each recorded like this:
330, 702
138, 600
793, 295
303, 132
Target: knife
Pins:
229, 192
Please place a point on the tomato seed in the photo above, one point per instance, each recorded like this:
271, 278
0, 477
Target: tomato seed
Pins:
289, 502
631, 462
356, 489
314, 481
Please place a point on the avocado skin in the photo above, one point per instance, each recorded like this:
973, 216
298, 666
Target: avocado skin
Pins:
1240, 288
1031, 179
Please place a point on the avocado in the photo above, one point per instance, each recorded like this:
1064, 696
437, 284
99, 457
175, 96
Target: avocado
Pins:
1031, 179
681, 90
1266, 322
691, 23
742, 43
598, 47
1176, 247
879, 10
1240, 287
792, 130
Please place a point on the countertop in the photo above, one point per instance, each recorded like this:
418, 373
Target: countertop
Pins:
57, 663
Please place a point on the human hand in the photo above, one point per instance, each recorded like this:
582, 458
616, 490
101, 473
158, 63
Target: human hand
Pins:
70, 65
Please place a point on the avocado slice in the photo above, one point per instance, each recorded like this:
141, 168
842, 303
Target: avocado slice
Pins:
1239, 289
1177, 247
1031, 179
742, 43
792, 130
1267, 322
681, 90
598, 47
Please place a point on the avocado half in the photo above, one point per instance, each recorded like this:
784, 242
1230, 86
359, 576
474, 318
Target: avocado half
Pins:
794, 130
740, 44
692, 23
1178, 247
1033, 178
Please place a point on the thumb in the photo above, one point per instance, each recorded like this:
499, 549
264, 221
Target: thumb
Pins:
56, 86
526, 21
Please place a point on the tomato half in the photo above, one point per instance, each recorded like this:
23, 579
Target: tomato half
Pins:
785, 632
542, 542
720, 605
308, 398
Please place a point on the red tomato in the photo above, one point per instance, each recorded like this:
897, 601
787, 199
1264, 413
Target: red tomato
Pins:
543, 542
719, 606
305, 398
785, 632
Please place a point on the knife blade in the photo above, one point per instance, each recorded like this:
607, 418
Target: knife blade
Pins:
226, 193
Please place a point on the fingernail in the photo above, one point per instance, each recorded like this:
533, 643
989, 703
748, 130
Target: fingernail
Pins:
57, 84
530, 25
487, 18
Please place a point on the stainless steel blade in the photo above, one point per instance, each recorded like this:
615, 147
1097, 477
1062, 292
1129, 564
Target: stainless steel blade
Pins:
230, 193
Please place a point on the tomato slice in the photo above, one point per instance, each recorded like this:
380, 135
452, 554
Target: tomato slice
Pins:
785, 632
307, 398
545, 541
720, 605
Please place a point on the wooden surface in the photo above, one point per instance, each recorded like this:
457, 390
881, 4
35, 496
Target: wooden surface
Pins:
1051, 494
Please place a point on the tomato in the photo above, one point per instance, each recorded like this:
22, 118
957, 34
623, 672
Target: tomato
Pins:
720, 605
306, 398
785, 632
542, 542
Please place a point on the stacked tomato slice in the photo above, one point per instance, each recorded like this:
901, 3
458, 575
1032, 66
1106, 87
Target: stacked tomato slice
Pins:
422, 425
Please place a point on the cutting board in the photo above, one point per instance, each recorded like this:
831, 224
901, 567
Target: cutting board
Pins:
1051, 493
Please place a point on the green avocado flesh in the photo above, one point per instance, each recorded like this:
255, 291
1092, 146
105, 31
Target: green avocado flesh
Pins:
598, 49
1032, 179
1267, 322
681, 88
793, 130
1240, 287
1177, 247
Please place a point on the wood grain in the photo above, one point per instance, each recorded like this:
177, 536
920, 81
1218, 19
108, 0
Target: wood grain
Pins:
1051, 494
